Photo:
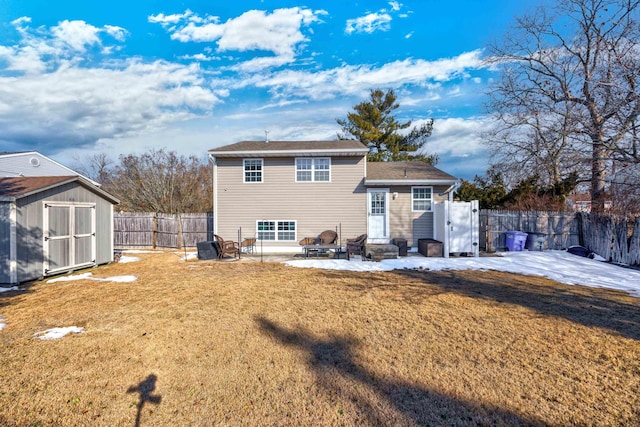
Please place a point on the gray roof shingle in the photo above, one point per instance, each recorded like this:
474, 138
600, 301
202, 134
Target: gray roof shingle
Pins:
405, 171
245, 147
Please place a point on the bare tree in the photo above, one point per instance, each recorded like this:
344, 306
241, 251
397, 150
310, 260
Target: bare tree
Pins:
162, 181
577, 66
532, 139
98, 167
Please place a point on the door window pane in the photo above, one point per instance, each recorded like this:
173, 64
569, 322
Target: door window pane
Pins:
377, 204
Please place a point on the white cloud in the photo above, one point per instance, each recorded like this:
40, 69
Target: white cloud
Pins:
73, 103
201, 57
458, 137
358, 80
19, 21
458, 143
76, 34
167, 20
377, 21
25, 59
44, 49
117, 33
278, 32
395, 6
260, 63
79, 106
198, 33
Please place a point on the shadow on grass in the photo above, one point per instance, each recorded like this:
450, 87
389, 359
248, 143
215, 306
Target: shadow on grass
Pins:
601, 308
8, 297
144, 389
333, 360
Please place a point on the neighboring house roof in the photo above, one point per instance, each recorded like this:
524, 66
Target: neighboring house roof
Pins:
14, 188
579, 197
32, 163
406, 173
338, 147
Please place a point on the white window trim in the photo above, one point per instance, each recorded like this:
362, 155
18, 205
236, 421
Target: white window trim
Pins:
412, 199
276, 221
244, 172
313, 168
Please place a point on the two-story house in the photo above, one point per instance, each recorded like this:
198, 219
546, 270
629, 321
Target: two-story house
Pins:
282, 191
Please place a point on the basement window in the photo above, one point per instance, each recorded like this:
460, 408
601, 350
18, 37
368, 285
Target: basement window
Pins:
277, 231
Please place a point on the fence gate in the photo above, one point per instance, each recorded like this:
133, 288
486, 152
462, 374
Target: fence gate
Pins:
456, 225
69, 232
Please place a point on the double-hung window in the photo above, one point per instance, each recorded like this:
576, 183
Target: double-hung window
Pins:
421, 199
315, 169
283, 231
253, 170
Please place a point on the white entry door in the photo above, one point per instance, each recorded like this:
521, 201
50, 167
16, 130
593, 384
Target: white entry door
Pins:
378, 215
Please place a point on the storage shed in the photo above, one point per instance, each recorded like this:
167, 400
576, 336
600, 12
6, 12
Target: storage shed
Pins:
51, 225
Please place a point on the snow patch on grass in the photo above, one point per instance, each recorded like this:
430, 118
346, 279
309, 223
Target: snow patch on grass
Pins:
89, 276
57, 333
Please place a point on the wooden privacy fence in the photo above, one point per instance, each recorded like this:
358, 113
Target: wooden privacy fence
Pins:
151, 230
615, 239
562, 229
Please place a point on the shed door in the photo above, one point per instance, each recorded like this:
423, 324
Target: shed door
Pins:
84, 235
57, 240
69, 236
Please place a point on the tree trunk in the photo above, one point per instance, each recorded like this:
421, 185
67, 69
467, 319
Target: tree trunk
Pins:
598, 176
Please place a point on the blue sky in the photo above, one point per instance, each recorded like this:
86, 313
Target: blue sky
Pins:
84, 77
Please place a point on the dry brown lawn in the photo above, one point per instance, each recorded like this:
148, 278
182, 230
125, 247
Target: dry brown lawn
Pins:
248, 343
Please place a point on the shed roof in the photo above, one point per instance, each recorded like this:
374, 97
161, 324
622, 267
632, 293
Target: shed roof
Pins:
13, 188
345, 147
406, 173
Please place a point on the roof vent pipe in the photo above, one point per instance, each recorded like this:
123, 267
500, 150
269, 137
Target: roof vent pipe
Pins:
266, 136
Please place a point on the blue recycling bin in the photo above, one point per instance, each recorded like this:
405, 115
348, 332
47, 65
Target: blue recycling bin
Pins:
515, 240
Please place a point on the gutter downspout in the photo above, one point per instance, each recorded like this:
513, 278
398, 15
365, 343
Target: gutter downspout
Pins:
452, 189
214, 182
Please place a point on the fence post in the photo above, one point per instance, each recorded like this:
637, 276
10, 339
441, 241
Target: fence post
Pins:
154, 230
180, 236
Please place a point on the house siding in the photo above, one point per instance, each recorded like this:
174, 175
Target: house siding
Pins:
19, 164
30, 217
406, 224
315, 206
